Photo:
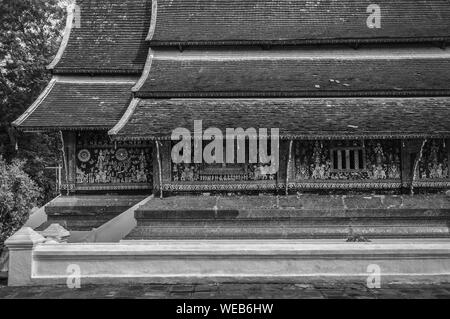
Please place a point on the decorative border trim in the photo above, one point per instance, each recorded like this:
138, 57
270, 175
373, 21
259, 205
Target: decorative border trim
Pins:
345, 185
125, 118
153, 18
260, 186
36, 103
303, 94
255, 185
312, 137
96, 79
432, 184
81, 187
68, 186
171, 186
66, 35
354, 41
37, 129
145, 73
91, 71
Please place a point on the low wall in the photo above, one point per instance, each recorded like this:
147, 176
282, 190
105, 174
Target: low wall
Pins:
225, 260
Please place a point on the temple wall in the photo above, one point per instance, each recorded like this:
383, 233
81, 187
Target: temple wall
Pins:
95, 163
324, 164
219, 177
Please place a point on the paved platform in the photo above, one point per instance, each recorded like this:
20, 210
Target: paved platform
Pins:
300, 202
295, 216
323, 290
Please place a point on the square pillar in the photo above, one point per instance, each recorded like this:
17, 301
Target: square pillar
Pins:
69, 139
166, 161
409, 151
447, 144
283, 159
20, 246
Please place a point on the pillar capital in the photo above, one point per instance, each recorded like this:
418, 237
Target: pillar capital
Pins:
24, 238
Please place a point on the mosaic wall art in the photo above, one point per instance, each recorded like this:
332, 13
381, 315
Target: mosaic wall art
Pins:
434, 162
221, 172
346, 160
100, 161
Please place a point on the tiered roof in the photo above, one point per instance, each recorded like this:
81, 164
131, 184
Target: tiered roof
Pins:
102, 54
247, 70
296, 72
73, 104
105, 37
199, 22
305, 118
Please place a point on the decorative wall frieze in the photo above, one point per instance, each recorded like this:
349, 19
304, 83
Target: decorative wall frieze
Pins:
346, 185
249, 186
355, 160
102, 164
434, 164
95, 187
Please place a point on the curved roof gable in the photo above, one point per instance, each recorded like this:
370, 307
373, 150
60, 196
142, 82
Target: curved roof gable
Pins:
104, 37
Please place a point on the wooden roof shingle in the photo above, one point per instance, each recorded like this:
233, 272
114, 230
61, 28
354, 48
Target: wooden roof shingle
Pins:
213, 22
305, 118
295, 72
105, 37
77, 105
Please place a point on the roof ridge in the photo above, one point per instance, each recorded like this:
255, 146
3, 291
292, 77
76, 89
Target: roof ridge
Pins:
66, 35
126, 117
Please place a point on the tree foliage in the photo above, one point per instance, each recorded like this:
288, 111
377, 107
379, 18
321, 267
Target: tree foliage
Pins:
30, 32
18, 195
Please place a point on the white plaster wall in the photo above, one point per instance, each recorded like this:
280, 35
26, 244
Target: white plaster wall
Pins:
180, 261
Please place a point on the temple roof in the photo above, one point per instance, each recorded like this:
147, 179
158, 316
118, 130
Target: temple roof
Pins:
108, 37
311, 118
309, 71
77, 104
301, 21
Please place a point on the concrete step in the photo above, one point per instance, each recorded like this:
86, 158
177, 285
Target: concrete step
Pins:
289, 232
293, 217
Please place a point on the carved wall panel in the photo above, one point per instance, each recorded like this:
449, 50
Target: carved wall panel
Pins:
100, 161
346, 160
434, 162
221, 172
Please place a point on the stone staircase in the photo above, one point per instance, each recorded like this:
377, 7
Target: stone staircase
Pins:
85, 212
294, 217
